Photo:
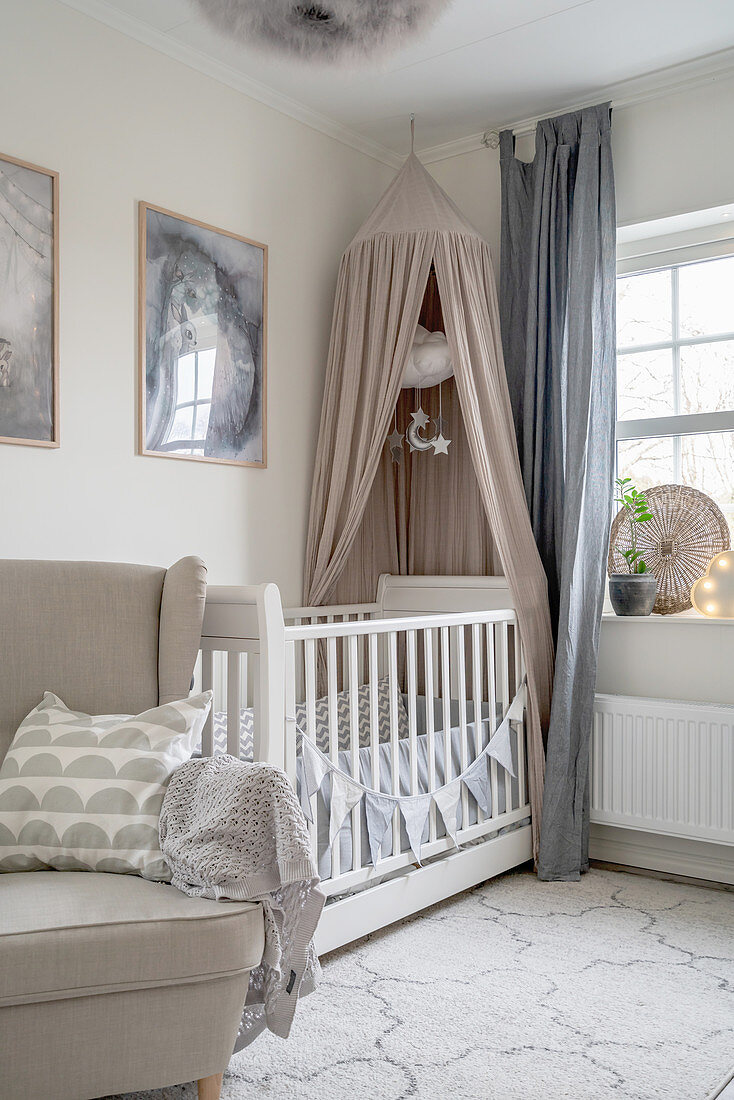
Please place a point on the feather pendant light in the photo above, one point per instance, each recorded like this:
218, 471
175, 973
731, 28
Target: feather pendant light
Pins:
324, 30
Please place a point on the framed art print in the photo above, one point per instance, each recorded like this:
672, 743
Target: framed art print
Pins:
202, 341
29, 304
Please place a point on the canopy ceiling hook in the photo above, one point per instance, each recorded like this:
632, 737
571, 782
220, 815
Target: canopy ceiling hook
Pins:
412, 131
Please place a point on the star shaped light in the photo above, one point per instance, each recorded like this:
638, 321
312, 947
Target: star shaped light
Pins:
419, 418
441, 445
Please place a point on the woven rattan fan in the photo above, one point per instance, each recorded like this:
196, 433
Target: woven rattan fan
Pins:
687, 530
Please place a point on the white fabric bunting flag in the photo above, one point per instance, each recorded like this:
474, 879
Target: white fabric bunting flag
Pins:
344, 796
314, 766
516, 710
476, 780
415, 814
447, 800
379, 810
500, 747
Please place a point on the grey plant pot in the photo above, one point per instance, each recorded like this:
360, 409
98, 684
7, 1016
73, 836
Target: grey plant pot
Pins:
632, 593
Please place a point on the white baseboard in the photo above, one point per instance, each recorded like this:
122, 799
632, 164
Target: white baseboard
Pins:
656, 852
352, 917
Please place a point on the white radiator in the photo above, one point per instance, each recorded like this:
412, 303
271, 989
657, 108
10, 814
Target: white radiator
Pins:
663, 767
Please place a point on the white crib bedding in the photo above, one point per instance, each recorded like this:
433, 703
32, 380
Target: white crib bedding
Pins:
385, 772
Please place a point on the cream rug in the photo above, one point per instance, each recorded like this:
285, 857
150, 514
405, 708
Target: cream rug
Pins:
618, 986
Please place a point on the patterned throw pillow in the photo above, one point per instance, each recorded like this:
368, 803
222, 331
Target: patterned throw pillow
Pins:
82, 792
363, 706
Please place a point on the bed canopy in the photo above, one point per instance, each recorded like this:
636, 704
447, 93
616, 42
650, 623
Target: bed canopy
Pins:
416, 230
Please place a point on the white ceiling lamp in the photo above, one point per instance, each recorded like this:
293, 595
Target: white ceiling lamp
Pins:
330, 30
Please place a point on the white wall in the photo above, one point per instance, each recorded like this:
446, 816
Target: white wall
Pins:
121, 122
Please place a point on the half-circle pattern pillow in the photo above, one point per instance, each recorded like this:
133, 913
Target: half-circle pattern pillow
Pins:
84, 792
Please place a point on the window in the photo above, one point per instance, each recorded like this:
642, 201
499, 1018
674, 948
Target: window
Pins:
194, 381
675, 378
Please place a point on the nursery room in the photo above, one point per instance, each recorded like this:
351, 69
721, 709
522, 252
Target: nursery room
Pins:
366, 565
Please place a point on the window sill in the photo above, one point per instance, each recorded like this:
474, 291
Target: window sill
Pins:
682, 619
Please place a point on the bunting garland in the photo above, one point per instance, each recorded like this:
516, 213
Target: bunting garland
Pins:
346, 792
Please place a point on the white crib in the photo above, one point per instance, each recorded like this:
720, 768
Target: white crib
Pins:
430, 655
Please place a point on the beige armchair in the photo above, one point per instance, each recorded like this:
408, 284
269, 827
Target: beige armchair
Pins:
109, 983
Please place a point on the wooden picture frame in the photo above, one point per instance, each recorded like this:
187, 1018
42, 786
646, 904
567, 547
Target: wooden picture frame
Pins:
202, 341
29, 304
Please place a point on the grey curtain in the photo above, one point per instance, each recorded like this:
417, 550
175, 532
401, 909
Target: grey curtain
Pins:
557, 299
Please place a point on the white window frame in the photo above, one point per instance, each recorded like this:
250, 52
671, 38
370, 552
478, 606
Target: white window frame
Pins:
192, 445
638, 254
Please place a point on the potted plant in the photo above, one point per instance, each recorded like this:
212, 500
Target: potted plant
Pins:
632, 593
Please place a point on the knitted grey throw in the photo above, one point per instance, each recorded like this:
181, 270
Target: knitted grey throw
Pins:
234, 831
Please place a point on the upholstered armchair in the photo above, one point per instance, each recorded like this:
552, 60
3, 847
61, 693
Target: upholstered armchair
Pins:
109, 983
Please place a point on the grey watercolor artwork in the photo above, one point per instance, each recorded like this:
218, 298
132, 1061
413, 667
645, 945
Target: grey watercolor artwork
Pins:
27, 304
204, 341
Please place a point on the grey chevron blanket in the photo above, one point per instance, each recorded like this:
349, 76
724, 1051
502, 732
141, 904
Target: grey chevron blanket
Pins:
234, 831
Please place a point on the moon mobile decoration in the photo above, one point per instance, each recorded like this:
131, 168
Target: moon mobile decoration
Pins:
429, 364
416, 441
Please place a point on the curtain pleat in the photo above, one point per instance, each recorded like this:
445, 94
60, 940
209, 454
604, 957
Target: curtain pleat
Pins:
558, 328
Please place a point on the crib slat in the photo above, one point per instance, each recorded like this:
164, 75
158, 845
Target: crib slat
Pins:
207, 677
430, 725
333, 710
331, 695
492, 692
477, 693
412, 701
519, 673
291, 733
233, 704
354, 747
448, 770
394, 746
374, 712
244, 686
503, 678
463, 732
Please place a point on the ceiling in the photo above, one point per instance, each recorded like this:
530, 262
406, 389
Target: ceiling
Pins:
485, 64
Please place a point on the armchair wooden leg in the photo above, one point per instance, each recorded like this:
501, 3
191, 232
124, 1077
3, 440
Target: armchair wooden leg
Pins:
210, 1087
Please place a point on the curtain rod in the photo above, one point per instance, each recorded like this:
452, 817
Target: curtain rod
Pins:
693, 77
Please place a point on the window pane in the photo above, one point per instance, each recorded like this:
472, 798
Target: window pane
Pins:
202, 420
181, 427
707, 463
706, 293
647, 461
645, 385
707, 378
206, 372
185, 379
644, 311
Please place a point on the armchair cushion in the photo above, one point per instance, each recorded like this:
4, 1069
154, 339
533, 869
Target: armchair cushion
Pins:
76, 934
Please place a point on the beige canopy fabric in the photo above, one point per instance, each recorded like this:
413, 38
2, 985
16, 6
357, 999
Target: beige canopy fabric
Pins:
382, 280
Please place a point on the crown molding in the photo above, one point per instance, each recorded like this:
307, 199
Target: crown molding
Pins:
676, 78
662, 82
226, 74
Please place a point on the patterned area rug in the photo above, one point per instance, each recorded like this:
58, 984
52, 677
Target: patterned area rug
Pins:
615, 986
